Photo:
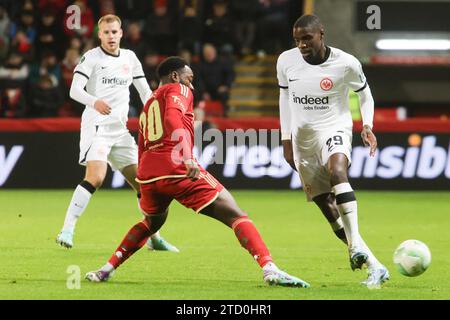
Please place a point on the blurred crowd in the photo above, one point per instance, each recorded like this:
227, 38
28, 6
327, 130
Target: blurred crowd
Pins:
38, 51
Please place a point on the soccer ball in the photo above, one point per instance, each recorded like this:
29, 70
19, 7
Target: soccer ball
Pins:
412, 258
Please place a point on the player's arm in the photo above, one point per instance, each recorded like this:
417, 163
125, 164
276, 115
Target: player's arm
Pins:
81, 76
139, 80
356, 80
140, 139
285, 123
367, 112
285, 117
142, 87
176, 105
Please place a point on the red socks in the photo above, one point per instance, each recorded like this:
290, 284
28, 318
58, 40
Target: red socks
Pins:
250, 239
134, 240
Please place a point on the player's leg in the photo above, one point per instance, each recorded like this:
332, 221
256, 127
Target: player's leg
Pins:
95, 174
155, 242
225, 209
134, 240
347, 206
327, 204
155, 207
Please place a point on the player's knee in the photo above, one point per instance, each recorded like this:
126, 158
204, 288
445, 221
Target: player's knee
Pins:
96, 180
338, 173
154, 222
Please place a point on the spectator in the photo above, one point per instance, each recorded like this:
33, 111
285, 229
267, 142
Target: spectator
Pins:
48, 65
245, 14
45, 98
13, 76
77, 44
26, 24
13, 103
217, 75
22, 45
160, 27
133, 10
197, 83
219, 28
150, 62
133, 40
106, 7
50, 36
14, 70
71, 59
190, 27
5, 25
70, 106
56, 5
273, 30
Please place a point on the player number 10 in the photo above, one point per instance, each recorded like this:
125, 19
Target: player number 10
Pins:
150, 122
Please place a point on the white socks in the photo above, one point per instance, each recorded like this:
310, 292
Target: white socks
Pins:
348, 210
371, 260
108, 267
78, 204
270, 266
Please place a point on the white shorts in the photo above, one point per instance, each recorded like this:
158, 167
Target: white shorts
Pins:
109, 143
312, 165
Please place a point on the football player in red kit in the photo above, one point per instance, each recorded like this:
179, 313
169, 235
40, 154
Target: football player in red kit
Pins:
167, 170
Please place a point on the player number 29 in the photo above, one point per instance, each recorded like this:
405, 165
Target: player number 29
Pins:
151, 123
334, 141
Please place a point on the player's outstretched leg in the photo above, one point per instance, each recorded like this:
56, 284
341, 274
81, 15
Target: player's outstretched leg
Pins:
135, 239
377, 273
78, 204
225, 209
132, 242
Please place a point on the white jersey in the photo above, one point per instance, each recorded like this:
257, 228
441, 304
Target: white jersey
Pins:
318, 94
109, 78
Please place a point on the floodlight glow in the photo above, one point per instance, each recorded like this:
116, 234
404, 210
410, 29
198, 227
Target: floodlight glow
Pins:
417, 44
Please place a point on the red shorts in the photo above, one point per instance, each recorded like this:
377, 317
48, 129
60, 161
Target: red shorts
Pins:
157, 196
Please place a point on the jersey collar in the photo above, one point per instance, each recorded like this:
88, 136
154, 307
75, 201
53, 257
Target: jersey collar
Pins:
327, 55
110, 54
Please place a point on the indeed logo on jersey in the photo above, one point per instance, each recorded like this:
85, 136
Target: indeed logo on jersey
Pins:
115, 81
312, 103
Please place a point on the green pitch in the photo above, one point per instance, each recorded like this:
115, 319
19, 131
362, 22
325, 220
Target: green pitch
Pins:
212, 265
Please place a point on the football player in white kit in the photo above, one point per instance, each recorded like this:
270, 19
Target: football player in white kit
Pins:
107, 72
316, 127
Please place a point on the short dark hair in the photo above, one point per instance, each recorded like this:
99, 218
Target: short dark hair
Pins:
308, 20
169, 65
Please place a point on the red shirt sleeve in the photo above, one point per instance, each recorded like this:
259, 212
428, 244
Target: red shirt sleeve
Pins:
176, 106
140, 144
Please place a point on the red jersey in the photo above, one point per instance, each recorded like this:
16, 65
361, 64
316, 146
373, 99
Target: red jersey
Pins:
166, 133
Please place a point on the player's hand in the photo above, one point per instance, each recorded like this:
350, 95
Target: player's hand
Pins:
102, 107
369, 139
193, 171
288, 153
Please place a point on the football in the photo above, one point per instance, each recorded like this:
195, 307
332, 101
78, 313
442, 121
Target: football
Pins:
412, 258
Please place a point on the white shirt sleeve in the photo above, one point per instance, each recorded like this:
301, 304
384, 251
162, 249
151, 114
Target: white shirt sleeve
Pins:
285, 113
143, 88
86, 65
354, 76
366, 106
78, 93
139, 80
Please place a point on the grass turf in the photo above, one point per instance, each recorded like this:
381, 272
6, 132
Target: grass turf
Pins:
212, 265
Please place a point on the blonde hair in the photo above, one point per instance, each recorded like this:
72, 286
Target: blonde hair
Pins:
109, 18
